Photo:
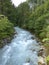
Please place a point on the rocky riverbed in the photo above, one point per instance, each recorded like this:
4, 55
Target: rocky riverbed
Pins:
22, 50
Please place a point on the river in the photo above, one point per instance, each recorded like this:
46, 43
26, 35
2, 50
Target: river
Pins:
23, 50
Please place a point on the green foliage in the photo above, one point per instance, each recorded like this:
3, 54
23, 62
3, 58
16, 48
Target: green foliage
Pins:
23, 12
30, 24
47, 59
35, 3
6, 28
37, 21
9, 10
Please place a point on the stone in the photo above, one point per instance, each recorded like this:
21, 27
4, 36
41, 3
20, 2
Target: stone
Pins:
41, 61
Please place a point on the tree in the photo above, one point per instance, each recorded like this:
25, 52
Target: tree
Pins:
8, 9
23, 12
35, 3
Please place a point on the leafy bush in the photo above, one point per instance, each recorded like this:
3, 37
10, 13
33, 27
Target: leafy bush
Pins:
6, 28
47, 59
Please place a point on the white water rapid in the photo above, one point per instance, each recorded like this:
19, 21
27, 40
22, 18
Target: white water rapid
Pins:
21, 51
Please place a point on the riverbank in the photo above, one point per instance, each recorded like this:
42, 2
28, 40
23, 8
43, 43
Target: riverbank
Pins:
45, 45
22, 49
6, 41
44, 48
6, 31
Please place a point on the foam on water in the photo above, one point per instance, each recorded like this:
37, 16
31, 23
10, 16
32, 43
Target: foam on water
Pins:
21, 51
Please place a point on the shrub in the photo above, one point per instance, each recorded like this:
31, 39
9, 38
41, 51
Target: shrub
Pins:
6, 28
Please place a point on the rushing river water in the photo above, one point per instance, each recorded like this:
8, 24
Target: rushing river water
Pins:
21, 51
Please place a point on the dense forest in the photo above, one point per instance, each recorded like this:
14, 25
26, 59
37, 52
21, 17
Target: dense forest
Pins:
32, 15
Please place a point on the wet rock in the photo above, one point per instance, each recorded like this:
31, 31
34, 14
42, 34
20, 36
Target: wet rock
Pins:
41, 61
33, 37
40, 43
28, 60
5, 41
41, 51
15, 33
41, 56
